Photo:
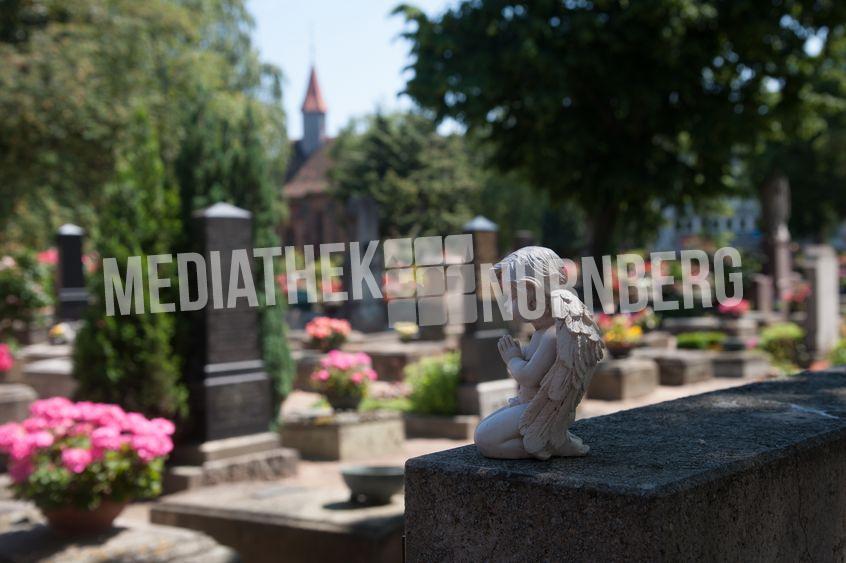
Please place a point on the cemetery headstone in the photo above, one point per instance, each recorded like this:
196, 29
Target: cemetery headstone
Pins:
764, 294
480, 360
70, 276
230, 394
822, 320
366, 314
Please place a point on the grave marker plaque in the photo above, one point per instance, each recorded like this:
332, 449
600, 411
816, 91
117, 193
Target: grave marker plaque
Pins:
70, 276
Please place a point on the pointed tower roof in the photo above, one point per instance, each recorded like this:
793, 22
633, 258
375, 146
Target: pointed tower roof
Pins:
313, 102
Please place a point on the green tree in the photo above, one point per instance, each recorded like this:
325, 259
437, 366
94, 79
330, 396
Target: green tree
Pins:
130, 359
809, 148
224, 159
71, 76
426, 183
619, 107
422, 181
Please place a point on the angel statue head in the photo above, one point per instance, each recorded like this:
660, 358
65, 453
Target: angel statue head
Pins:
532, 274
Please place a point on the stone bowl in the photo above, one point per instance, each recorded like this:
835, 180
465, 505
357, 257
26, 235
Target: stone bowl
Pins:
373, 484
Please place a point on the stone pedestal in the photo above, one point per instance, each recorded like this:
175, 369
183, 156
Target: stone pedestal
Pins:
254, 457
269, 523
743, 363
659, 339
70, 277
458, 427
627, 378
679, 367
344, 436
690, 324
50, 378
822, 321
14, 402
484, 398
751, 473
480, 359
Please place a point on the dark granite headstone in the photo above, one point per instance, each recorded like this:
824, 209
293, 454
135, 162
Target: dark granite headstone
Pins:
230, 393
70, 277
367, 313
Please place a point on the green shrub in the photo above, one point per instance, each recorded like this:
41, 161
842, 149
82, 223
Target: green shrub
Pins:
701, 340
434, 384
785, 344
25, 288
129, 359
400, 404
837, 357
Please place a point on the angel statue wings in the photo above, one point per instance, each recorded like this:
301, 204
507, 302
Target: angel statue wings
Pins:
552, 371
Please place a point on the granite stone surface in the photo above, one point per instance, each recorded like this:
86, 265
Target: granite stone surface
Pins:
752, 473
282, 522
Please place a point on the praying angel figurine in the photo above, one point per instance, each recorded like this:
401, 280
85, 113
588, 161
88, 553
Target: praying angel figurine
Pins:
552, 372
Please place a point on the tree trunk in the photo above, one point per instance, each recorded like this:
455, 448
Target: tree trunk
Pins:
602, 230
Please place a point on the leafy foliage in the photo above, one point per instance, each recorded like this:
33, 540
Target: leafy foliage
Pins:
420, 179
619, 107
434, 384
129, 360
223, 159
25, 285
785, 343
701, 340
837, 356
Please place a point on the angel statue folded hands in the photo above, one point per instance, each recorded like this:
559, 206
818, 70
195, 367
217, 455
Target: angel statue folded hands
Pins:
552, 372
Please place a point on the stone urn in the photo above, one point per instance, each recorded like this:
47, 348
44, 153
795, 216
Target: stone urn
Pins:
373, 484
69, 521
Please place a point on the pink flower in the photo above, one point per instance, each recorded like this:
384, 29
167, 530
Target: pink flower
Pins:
20, 470
371, 374
106, 438
321, 375
76, 460
7, 361
357, 377
40, 439
49, 256
35, 423
10, 433
363, 359
54, 408
149, 447
735, 307
137, 423
163, 425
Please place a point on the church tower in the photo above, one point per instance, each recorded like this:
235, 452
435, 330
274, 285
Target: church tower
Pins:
314, 117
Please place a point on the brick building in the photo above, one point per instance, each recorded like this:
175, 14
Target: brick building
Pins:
314, 215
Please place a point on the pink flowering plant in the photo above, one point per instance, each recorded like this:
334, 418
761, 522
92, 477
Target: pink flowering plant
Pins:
70, 454
344, 377
327, 333
7, 359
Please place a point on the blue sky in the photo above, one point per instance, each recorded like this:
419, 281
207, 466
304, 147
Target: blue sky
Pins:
357, 49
